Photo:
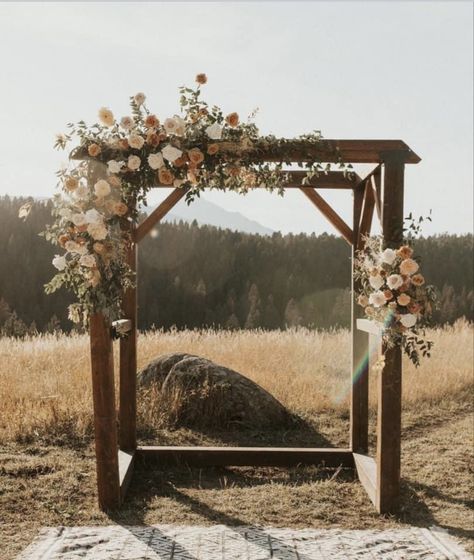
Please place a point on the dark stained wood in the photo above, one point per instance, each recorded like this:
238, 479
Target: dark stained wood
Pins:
329, 213
128, 355
327, 151
367, 214
367, 473
376, 181
390, 378
158, 213
126, 461
105, 420
359, 409
246, 456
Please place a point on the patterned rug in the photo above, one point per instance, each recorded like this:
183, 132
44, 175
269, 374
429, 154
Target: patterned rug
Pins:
171, 542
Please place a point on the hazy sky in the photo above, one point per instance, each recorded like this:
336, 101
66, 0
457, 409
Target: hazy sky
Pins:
352, 69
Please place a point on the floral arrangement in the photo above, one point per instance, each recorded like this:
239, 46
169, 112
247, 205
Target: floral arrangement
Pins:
117, 161
393, 292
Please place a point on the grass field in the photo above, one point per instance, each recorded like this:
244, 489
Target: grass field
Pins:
47, 468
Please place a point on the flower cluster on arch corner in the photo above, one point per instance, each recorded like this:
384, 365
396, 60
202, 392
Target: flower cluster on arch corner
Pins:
116, 163
394, 293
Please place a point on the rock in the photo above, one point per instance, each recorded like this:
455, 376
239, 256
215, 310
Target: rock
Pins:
198, 393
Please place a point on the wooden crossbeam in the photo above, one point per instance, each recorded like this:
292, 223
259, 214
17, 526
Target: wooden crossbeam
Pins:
329, 213
246, 456
327, 151
158, 213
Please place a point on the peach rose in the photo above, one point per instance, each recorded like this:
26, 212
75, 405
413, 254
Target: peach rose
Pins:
363, 300
201, 79
106, 116
408, 266
179, 162
232, 119
63, 239
369, 311
94, 150
152, 121
136, 141
388, 295
123, 144
120, 208
192, 177
405, 252
99, 248
403, 299
212, 149
71, 183
418, 279
414, 307
196, 156
114, 181
165, 176
152, 139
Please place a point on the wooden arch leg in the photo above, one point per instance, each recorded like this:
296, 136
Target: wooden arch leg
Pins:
105, 421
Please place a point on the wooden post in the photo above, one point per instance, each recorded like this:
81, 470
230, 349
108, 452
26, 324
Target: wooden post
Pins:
128, 359
390, 378
105, 420
360, 351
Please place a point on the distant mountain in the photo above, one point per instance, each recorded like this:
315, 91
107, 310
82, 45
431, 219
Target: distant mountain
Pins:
205, 212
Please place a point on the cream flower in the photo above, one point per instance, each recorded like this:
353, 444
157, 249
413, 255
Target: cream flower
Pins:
59, 262
155, 161
120, 208
106, 116
71, 183
65, 213
181, 126
114, 166
136, 141
408, 266
79, 219
73, 247
363, 300
388, 256
177, 183
81, 192
102, 188
418, 279
171, 153
376, 281
403, 299
94, 217
139, 98
127, 123
171, 125
377, 299
394, 281
214, 131
97, 231
87, 261
134, 163
408, 320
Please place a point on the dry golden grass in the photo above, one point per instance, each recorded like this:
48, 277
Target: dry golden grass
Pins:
45, 381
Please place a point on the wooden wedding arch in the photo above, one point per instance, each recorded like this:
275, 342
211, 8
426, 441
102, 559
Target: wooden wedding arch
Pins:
380, 192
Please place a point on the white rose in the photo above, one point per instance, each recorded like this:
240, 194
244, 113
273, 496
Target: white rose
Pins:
136, 141
170, 125
155, 161
81, 192
171, 153
394, 281
134, 163
408, 320
126, 123
87, 260
114, 166
376, 282
65, 213
102, 188
139, 98
59, 262
377, 299
79, 219
214, 131
388, 256
97, 231
94, 217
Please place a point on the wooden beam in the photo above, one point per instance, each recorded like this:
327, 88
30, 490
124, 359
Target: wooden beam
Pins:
128, 353
105, 419
158, 213
367, 473
367, 214
329, 213
359, 407
326, 151
390, 378
126, 462
376, 181
246, 456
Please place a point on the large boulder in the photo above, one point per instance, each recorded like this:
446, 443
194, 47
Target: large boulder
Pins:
198, 393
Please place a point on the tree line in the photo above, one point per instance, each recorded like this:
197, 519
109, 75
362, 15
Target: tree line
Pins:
200, 276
